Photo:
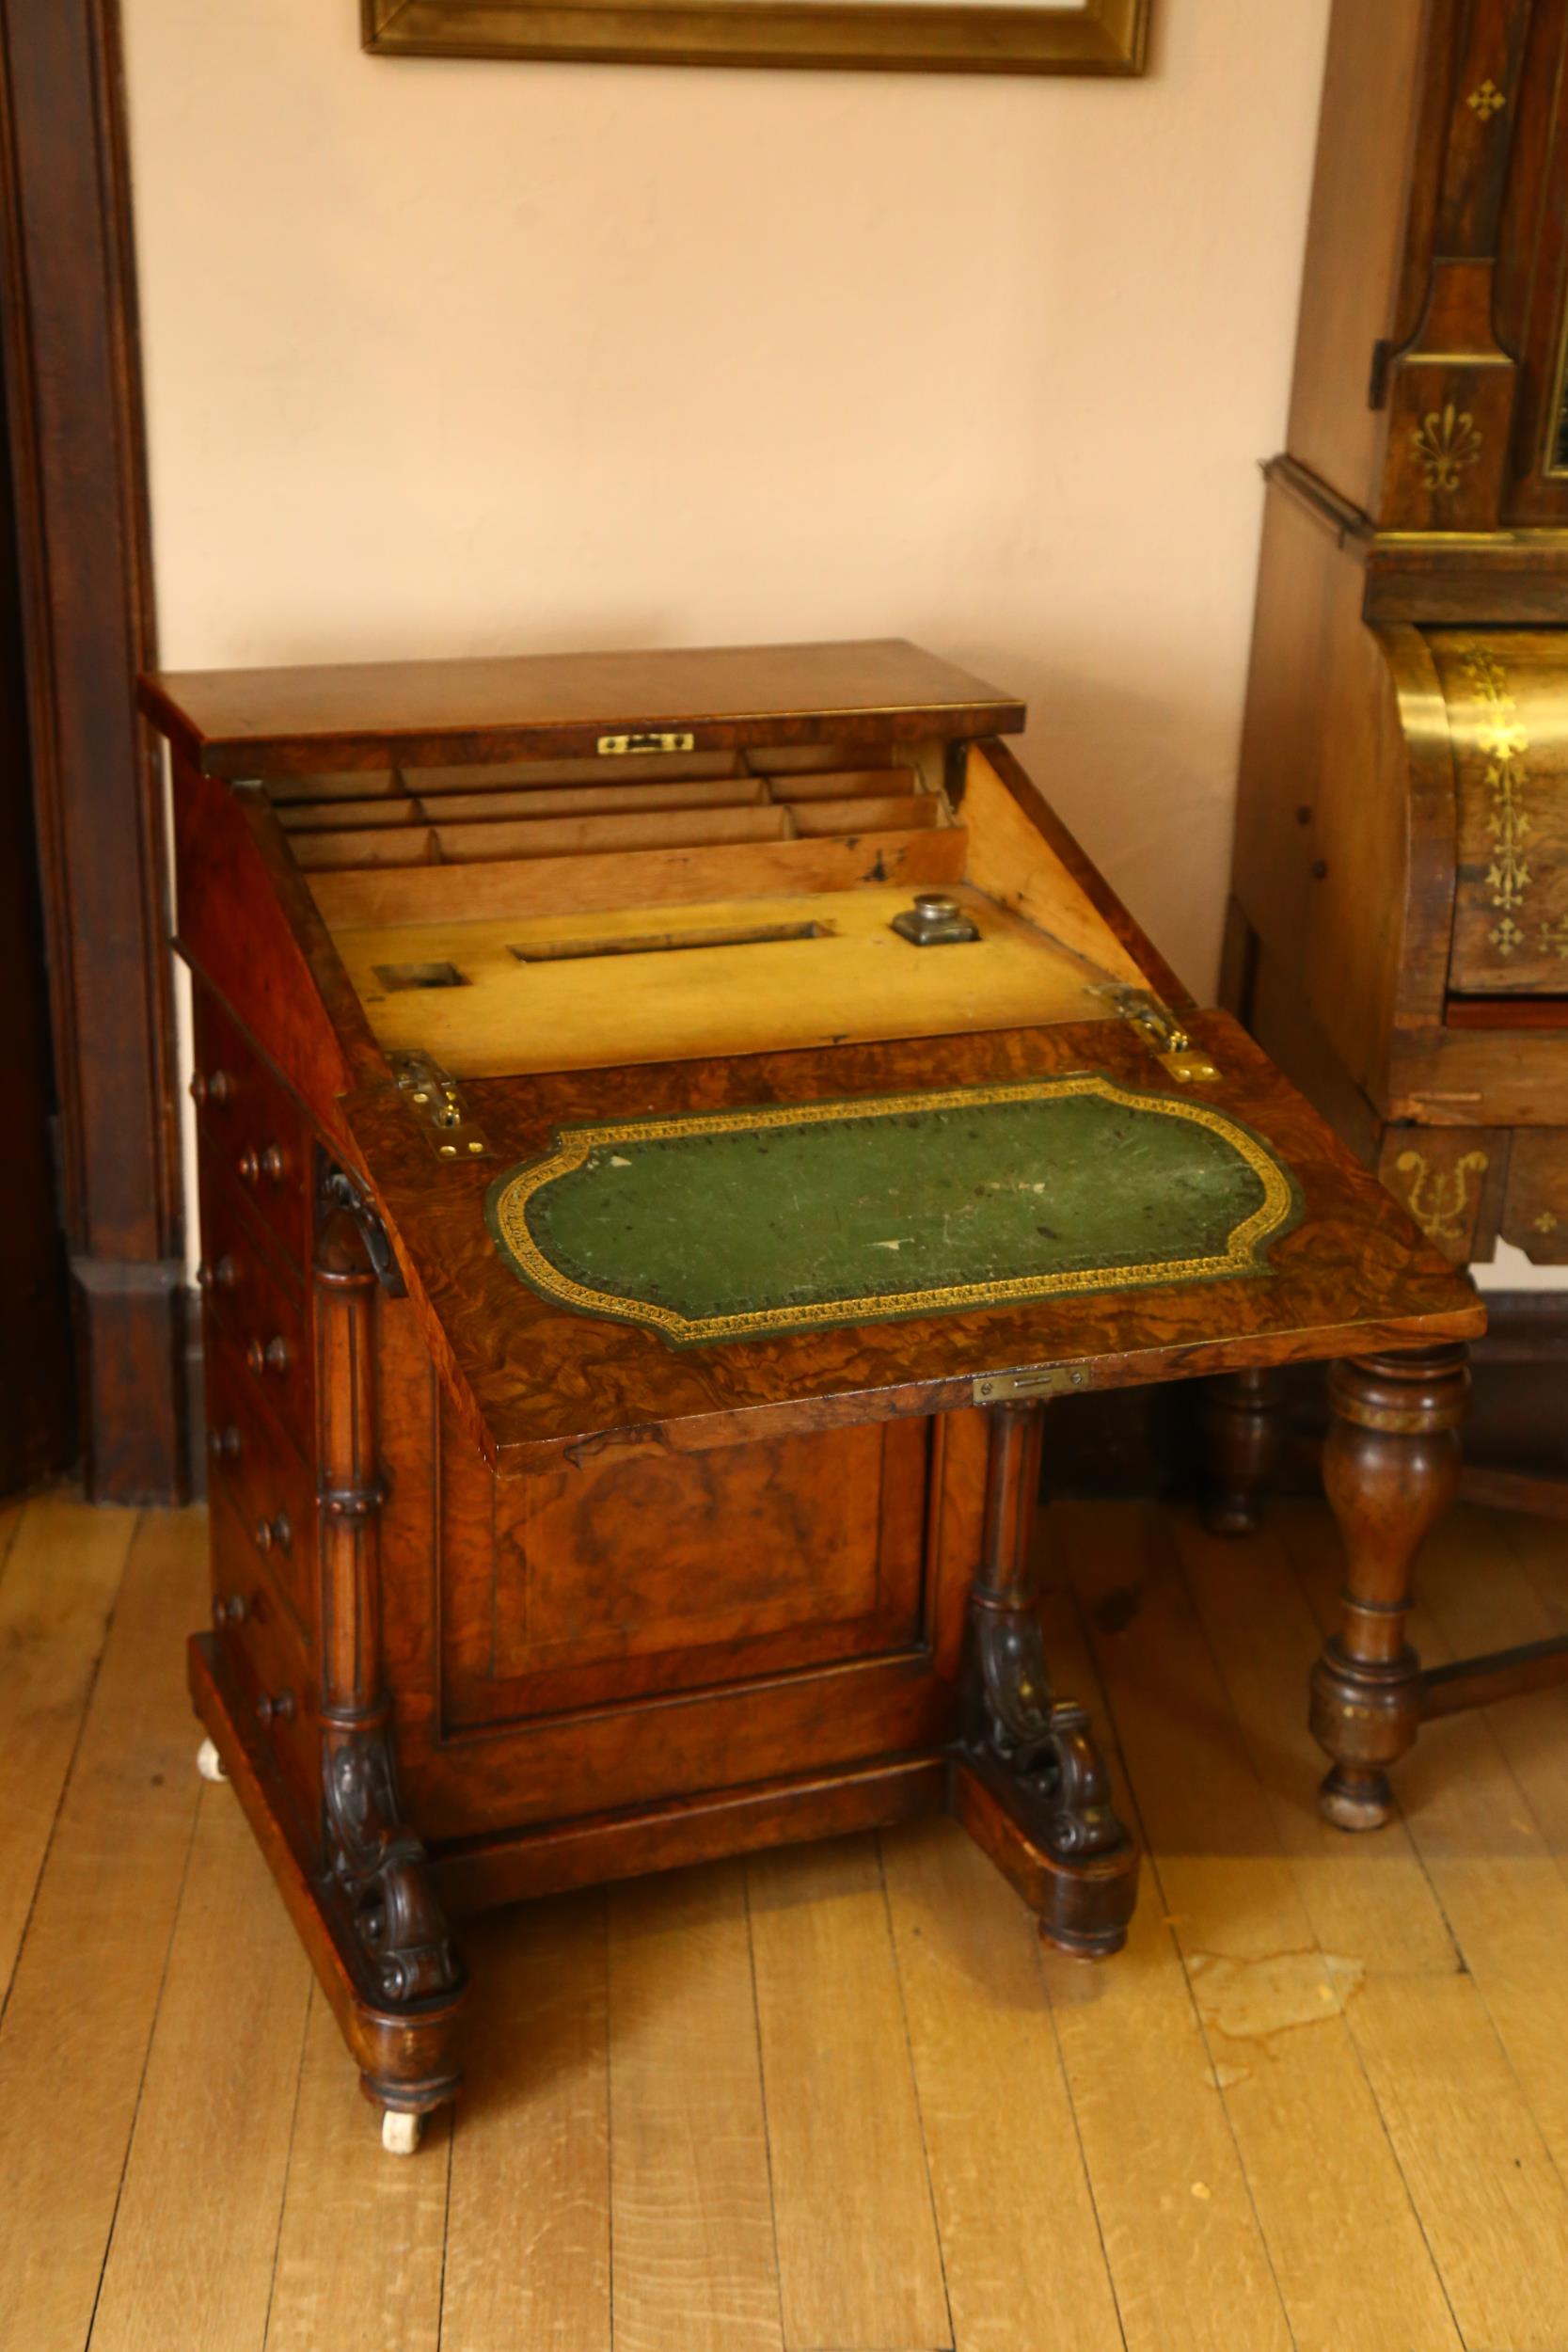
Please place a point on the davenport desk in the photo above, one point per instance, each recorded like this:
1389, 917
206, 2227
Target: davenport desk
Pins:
668, 1122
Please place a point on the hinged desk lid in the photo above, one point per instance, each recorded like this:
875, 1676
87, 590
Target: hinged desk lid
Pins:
249, 723
694, 1253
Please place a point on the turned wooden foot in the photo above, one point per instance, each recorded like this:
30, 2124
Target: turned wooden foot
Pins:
1242, 1424
1030, 1784
1390, 1470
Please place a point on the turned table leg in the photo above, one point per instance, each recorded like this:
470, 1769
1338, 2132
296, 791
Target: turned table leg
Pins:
1243, 1414
1030, 1783
1390, 1470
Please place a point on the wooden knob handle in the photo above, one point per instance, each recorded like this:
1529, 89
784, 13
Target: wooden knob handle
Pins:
230, 1609
221, 1276
278, 1709
224, 1444
269, 1162
277, 1530
216, 1087
268, 1356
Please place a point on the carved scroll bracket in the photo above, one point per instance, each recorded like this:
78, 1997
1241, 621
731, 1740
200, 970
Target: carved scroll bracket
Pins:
1045, 1743
380, 1870
340, 1190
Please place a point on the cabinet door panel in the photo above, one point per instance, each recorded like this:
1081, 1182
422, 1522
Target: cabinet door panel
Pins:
650, 1569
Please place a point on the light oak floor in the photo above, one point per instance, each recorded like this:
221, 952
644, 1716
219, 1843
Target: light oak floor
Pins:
834, 2099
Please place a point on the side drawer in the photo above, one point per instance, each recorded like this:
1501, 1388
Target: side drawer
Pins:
271, 1489
256, 1308
253, 1125
276, 1675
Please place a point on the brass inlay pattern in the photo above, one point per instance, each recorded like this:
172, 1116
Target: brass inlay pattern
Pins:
1503, 744
1238, 1257
1545, 1222
1486, 101
1440, 1203
1445, 442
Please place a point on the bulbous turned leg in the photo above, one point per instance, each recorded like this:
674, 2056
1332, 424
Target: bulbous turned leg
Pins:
1390, 1469
1242, 1426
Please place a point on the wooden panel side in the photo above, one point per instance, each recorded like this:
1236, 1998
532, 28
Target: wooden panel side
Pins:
1022, 855
249, 926
1345, 817
1355, 239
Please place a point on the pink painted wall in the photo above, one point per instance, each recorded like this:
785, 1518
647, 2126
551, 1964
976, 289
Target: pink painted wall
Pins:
444, 358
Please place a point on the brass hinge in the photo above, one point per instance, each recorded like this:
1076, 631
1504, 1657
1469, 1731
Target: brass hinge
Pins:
618, 746
443, 1114
1162, 1033
1003, 1388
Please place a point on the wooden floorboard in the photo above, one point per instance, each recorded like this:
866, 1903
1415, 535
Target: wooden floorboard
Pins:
1467, 2088
61, 1569
527, 2229
218, 2105
834, 2099
1001, 2140
75, 2038
860, 2268
696, 2267
1345, 2243
1188, 2260
362, 2240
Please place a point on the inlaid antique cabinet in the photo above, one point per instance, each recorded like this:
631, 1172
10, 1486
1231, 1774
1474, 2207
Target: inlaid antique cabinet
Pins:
668, 1122
1399, 934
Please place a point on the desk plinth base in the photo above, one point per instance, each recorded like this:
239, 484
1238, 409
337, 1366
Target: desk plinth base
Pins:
1083, 1905
405, 2056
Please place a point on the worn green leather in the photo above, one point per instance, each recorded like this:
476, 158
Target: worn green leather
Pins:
742, 1224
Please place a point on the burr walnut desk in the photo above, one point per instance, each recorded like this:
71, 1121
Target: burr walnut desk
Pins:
668, 1123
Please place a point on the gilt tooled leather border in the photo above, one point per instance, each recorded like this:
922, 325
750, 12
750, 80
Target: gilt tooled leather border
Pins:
507, 1201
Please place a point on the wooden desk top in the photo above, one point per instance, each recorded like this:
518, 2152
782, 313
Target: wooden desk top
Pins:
292, 722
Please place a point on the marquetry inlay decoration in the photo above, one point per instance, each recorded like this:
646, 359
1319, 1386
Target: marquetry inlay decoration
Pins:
1445, 442
1554, 938
1486, 101
1503, 744
1440, 1201
1546, 1222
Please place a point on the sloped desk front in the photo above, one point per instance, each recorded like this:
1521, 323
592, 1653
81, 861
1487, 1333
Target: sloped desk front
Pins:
668, 1125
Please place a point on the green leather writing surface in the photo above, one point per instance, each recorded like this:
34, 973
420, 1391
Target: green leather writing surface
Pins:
738, 1224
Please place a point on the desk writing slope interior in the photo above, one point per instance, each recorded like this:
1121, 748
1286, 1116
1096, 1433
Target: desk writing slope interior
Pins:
691, 935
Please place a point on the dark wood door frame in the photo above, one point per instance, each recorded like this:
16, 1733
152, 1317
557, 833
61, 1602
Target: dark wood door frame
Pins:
74, 400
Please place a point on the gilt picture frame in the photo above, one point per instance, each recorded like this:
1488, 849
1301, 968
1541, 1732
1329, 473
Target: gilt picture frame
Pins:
1094, 37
